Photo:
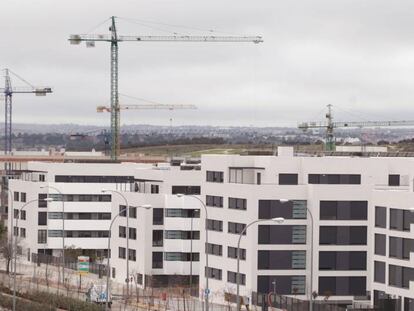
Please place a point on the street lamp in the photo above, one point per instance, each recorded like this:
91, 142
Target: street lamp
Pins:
278, 220
206, 291
127, 234
14, 247
108, 266
63, 228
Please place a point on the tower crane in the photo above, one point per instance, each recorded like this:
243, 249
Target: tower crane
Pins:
114, 38
329, 125
8, 92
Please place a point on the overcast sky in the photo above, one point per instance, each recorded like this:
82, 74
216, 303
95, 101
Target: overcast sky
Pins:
355, 54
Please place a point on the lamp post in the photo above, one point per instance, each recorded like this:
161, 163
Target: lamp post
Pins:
108, 266
127, 235
206, 291
63, 229
277, 220
14, 249
311, 255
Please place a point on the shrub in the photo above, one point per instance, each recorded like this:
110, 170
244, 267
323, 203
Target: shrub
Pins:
23, 305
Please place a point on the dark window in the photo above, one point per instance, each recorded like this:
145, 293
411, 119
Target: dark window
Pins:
259, 178
342, 286
178, 256
285, 285
379, 272
16, 196
22, 196
132, 233
23, 215
122, 232
42, 177
132, 212
121, 252
122, 211
214, 225
282, 234
41, 236
16, 213
401, 219
182, 213
334, 179
236, 228
81, 197
15, 231
237, 203
380, 241
213, 273
187, 190
281, 260
22, 232
157, 216
132, 254
155, 189
400, 276
343, 210
41, 198
182, 235
393, 180
232, 278
380, 217
232, 253
94, 179
400, 247
214, 176
343, 235
215, 201
343, 260
292, 209
288, 179
157, 262
214, 249
157, 238
42, 219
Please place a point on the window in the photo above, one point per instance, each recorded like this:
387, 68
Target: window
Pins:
186, 190
213, 273
113, 272
281, 260
132, 212
23, 215
393, 180
122, 252
16, 213
400, 247
42, 177
232, 278
215, 201
343, 235
22, 232
342, 285
81, 197
54, 233
236, 175
214, 249
380, 241
94, 179
41, 198
285, 284
41, 236
401, 220
380, 217
132, 233
182, 213
157, 262
343, 260
132, 254
343, 210
177, 256
214, 225
282, 234
22, 196
292, 209
122, 211
259, 178
15, 231
122, 232
237, 203
16, 196
157, 216
232, 253
236, 228
334, 179
42, 219
214, 176
182, 235
379, 272
288, 179
157, 238
155, 189
400, 276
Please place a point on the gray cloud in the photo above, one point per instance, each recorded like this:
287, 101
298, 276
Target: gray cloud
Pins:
357, 55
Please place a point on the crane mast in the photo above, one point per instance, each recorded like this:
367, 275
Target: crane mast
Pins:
114, 38
330, 125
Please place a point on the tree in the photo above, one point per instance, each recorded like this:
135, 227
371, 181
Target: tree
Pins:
6, 250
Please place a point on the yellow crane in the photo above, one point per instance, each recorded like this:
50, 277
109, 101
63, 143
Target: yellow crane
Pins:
329, 125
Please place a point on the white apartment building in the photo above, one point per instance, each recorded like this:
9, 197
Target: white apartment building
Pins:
361, 249
341, 194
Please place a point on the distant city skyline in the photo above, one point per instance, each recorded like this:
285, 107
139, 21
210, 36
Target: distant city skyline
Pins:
352, 54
